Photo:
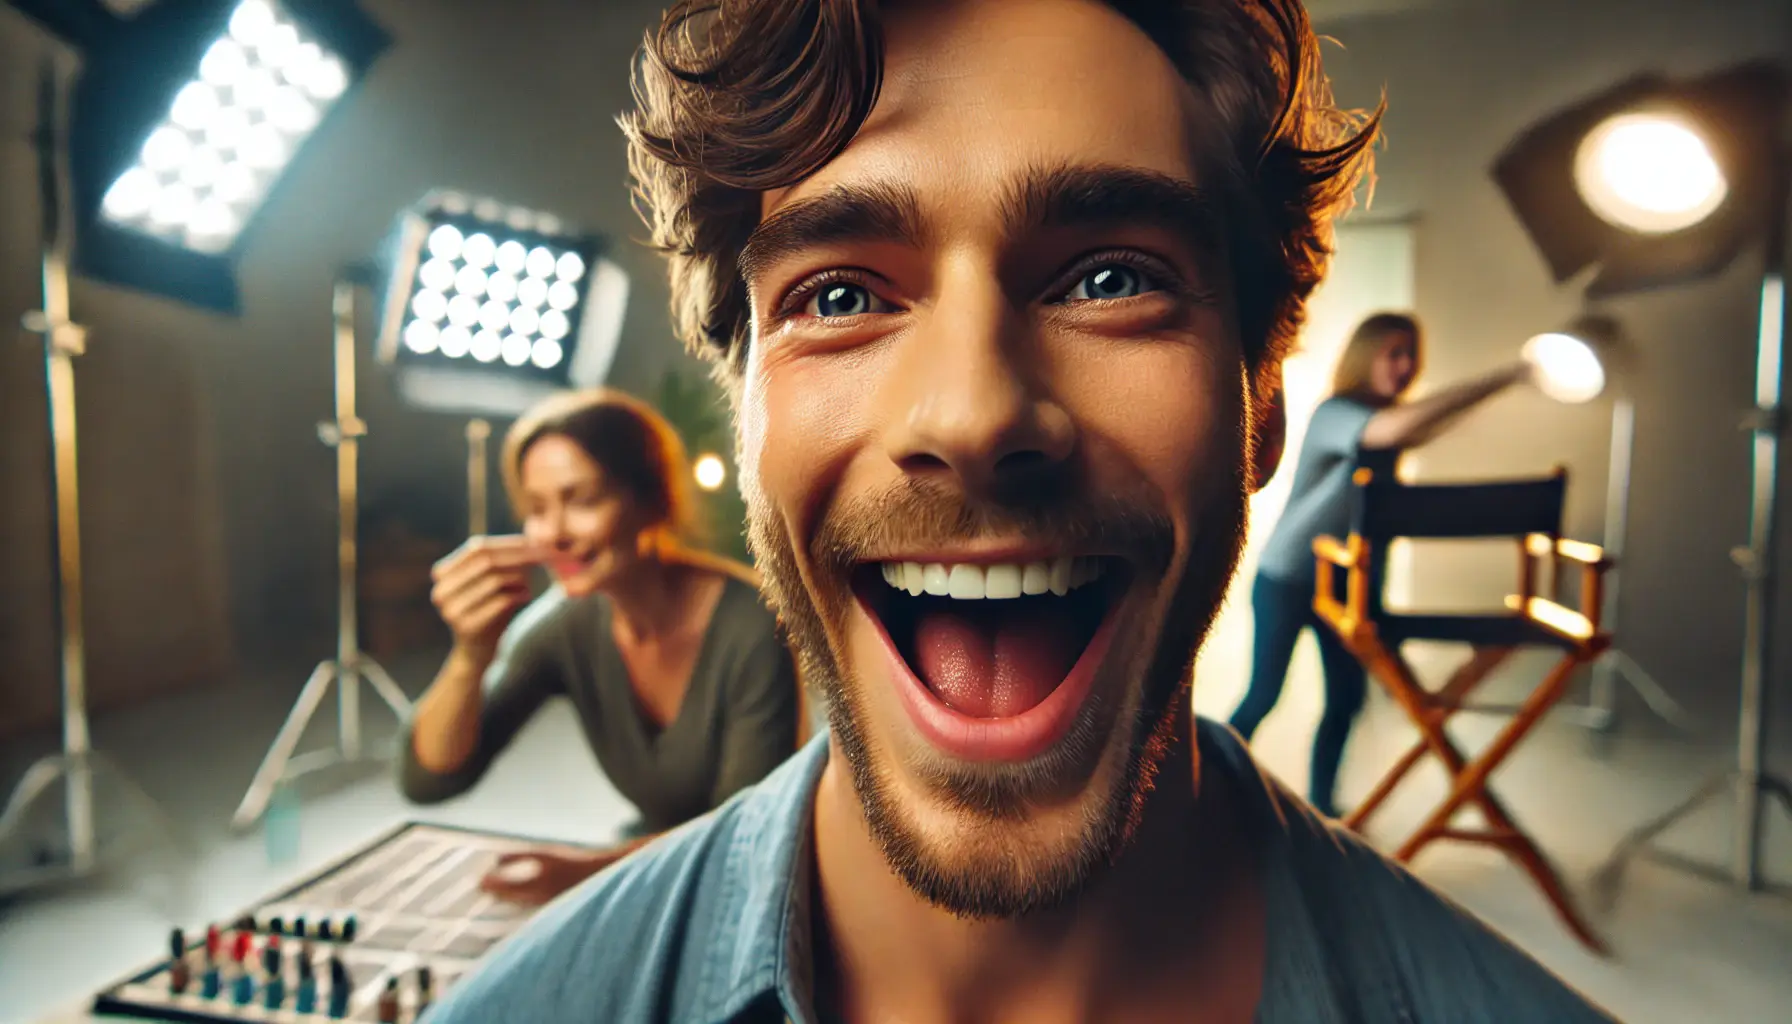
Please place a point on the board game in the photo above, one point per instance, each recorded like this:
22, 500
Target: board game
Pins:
374, 937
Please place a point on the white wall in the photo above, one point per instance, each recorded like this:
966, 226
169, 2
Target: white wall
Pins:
1372, 271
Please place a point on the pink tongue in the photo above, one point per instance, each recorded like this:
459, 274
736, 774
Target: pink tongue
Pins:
995, 659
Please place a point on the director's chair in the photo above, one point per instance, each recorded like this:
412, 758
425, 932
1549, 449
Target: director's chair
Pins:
1529, 512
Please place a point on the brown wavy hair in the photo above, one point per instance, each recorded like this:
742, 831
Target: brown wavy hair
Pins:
738, 97
637, 449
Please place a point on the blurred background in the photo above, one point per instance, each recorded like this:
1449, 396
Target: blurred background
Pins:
209, 508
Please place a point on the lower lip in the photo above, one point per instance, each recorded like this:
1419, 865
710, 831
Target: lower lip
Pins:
1015, 738
567, 570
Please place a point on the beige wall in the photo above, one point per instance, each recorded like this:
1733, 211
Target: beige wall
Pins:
1460, 84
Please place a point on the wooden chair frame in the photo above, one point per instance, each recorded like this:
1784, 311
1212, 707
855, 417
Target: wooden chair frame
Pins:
1354, 620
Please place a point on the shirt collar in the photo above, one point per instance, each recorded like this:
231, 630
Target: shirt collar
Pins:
766, 877
767, 881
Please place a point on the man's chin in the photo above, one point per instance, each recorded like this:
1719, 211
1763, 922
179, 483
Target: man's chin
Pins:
987, 838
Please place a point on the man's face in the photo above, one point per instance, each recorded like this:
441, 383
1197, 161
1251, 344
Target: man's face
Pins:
994, 440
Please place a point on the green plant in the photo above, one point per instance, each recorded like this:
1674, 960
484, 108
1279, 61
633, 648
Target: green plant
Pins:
691, 403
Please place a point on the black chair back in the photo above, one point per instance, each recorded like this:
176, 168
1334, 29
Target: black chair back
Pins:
1386, 508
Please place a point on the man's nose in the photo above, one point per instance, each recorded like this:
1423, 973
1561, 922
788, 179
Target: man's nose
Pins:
968, 398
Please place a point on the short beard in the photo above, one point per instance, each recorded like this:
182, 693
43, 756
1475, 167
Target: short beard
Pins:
994, 877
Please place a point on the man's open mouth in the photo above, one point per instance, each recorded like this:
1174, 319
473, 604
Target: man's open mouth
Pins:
993, 641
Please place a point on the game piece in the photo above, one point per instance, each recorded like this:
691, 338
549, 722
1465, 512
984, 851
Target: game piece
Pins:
425, 984
275, 992
270, 955
305, 999
213, 938
340, 988
245, 988
211, 983
388, 1006
298, 926
179, 976
240, 945
324, 931
276, 926
348, 929
246, 923
177, 944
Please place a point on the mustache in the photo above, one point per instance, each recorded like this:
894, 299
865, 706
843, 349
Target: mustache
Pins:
920, 513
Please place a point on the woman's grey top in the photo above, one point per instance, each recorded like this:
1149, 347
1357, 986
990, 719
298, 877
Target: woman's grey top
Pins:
737, 722
1319, 500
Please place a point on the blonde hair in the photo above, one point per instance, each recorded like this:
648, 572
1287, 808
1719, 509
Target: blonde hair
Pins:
1354, 376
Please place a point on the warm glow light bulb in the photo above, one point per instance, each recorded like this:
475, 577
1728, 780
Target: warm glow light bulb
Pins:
1568, 370
709, 471
1650, 173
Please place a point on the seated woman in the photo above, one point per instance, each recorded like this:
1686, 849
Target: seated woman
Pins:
672, 663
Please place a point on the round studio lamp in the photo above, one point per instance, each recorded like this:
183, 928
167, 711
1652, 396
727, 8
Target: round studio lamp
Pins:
1568, 368
1651, 173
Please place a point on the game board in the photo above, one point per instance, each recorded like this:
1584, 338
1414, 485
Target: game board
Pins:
403, 915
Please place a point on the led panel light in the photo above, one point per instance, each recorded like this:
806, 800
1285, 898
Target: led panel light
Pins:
259, 92
486, 299
185, 122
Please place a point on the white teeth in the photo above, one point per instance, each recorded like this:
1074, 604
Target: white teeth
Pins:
1001, 582
964, 582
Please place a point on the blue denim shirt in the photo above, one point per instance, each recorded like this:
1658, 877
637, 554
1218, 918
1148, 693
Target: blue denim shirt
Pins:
710, 924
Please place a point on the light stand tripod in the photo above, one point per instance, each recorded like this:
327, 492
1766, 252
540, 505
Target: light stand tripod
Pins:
1600, 713
344, 434
478, 513
1749, 783
78, 763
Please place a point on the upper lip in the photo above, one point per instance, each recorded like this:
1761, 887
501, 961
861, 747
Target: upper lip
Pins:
991, 554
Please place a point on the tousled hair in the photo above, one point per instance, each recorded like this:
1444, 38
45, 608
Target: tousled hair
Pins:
1353, 377
738, 97
634, 446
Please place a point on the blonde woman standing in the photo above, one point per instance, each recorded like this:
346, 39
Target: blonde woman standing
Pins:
1367, 421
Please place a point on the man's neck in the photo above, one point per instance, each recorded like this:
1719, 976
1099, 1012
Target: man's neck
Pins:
1173, 930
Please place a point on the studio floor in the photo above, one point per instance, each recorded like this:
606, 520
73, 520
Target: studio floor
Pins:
1686, 950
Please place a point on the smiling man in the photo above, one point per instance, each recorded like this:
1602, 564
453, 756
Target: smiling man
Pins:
1001, 289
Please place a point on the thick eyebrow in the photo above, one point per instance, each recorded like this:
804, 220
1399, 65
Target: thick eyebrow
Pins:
1085, 196
1047, 198
876, 212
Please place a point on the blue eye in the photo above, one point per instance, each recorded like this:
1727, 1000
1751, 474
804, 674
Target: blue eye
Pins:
1111, 281
841, 299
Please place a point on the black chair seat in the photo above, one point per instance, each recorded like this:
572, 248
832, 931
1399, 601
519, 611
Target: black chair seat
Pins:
1475, 630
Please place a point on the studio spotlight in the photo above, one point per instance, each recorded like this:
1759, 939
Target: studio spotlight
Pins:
1652, 173
186, 119
1653, 182
153, 160
1567, 368
709, 471
1589, 358
491, 307
1658, 182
